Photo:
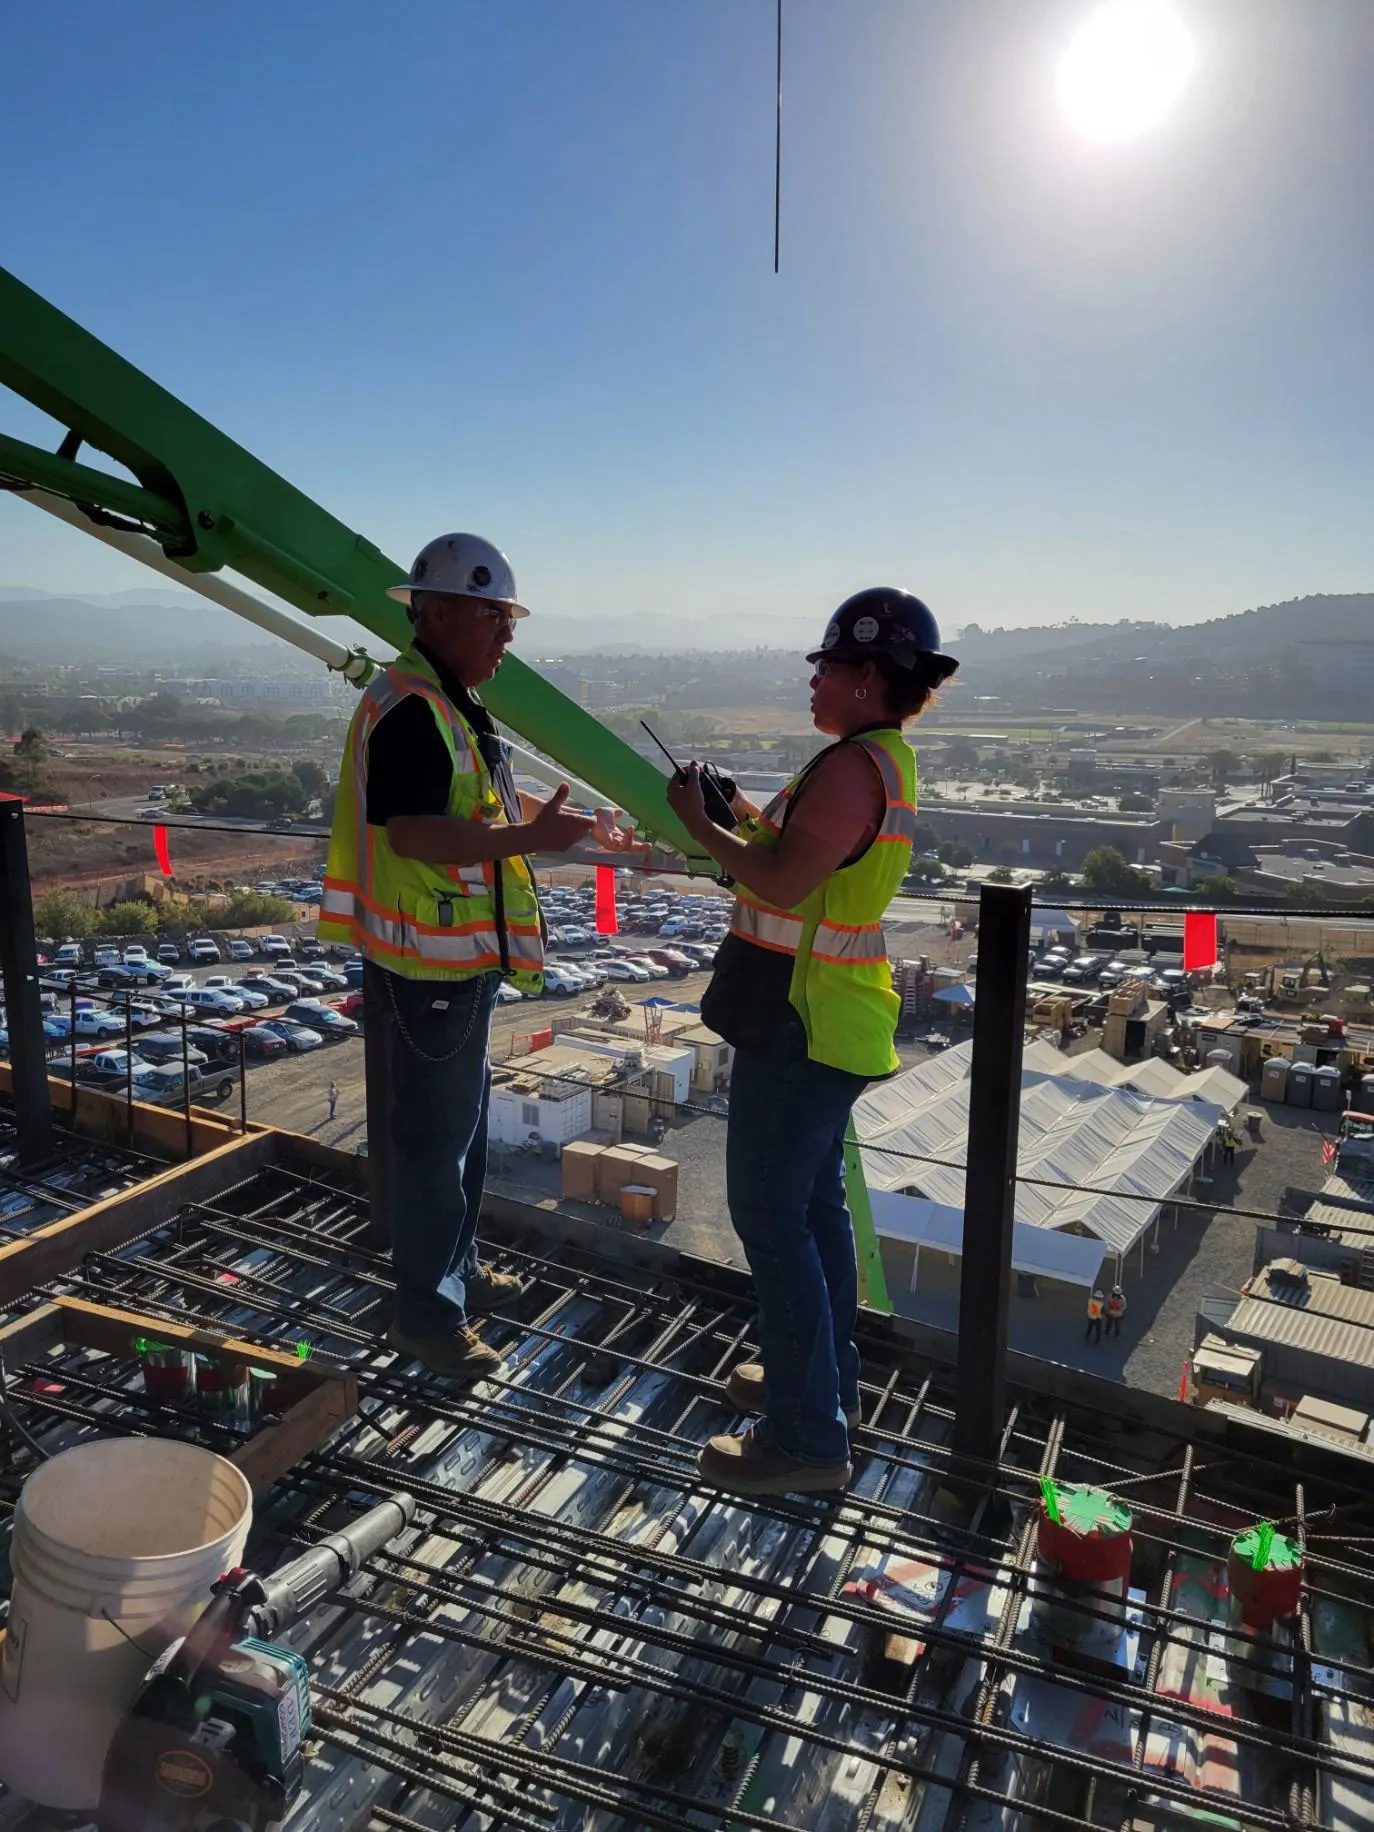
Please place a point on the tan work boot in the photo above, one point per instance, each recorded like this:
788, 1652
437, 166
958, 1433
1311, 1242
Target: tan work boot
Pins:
754, 1465
747, 1389
461, 1356
487, 1290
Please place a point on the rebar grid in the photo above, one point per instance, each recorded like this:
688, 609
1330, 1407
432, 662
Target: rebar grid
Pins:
577, 1632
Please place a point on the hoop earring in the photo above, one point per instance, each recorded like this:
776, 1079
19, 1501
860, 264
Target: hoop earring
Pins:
861, 693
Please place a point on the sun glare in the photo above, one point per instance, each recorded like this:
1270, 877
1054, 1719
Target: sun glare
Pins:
1124, 68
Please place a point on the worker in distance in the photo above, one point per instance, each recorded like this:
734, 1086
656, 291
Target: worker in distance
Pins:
428, 877
803, 991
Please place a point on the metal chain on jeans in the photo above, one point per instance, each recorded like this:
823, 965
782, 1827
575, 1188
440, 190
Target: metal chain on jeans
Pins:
410, 1042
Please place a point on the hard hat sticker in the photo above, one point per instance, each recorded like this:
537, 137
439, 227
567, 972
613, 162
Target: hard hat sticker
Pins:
865, 629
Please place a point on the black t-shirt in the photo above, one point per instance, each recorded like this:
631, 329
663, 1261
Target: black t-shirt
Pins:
409, 770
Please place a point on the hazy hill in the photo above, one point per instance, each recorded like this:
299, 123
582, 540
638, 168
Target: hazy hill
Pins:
152, 624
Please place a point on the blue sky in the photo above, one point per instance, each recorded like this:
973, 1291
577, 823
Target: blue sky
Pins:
506, 265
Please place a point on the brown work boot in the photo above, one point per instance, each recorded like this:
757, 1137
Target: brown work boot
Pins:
461, 1356
747, 1389
754, 1465
487, 1290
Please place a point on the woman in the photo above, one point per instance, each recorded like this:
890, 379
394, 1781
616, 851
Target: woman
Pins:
803, 991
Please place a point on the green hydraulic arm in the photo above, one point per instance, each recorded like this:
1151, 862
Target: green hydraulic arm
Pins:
209, 504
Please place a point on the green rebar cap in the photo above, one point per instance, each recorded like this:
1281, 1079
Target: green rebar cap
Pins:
1264, 1548
1084, 1511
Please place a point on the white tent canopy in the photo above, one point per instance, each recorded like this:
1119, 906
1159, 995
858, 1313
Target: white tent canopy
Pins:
1077, 1136
1040, 1252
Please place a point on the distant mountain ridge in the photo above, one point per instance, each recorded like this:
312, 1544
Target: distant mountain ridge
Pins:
152, 624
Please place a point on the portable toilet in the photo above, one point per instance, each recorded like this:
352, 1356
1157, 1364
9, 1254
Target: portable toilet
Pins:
1300, 1084
1274, 1079
1328, 1096
1367, 1094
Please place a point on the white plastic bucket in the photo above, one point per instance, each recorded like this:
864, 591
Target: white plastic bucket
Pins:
116, 1545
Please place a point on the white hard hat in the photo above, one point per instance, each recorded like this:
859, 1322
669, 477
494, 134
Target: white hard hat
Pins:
463, 565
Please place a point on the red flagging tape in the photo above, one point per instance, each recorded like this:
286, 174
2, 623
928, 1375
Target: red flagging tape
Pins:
1199, 940
606, 922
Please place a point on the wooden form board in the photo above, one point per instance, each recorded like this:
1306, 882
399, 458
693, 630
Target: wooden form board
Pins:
106, 1226
317, 1395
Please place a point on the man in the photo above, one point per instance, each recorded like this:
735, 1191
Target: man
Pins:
333, 1098
428, 879
1116, 1310
1229, 1141
1095, 1317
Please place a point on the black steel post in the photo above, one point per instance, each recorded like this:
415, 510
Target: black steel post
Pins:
243, 1079
186, 1079
129, 1066
23, 1000
994, 1117
376, 1017
71, 1040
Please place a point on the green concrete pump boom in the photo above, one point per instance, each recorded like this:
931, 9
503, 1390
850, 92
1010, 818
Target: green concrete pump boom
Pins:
210, 504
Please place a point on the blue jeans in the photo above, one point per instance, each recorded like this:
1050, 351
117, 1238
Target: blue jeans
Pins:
435, 1037
784, 1173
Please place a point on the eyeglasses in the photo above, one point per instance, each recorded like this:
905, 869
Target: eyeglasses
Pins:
821, 669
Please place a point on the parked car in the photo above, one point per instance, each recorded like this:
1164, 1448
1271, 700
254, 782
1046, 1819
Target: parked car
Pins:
177, 985
169, 953
249, 1000
108, 1068
219, 1044
309, 951
99, 1022
655, 969
214, 999
142, 1015
560, 981
506, 994
321, 1017
1086, 970
166, 1086
68, 955
1112, 974
676, 960
240, 950
320, 973
1051, 965
165, 1046
203, 950
260, 1042
274, 947
135, 955
618, 968
352, 1006
353, 972
294, 1036
278, 990
105, 956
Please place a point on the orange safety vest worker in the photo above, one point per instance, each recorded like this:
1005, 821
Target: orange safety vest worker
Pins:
1094, 1309
423, 921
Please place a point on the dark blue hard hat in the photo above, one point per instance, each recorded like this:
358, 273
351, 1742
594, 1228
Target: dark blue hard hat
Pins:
884, 621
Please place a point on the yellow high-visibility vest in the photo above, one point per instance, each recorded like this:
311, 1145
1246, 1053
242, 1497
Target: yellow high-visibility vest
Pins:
841, 981
426, 921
